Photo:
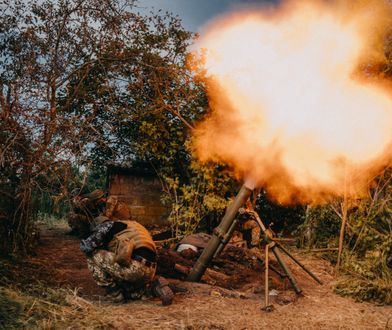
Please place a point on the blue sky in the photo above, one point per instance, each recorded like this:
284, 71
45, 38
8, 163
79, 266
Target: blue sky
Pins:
195, 13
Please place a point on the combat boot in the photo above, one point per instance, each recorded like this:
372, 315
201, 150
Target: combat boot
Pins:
115, 295
160, 288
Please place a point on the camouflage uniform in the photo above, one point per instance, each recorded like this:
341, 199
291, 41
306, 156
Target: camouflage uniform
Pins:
109, 274
92, 209
85, 208
121, 257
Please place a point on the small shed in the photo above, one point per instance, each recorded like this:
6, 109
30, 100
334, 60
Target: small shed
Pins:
139, 187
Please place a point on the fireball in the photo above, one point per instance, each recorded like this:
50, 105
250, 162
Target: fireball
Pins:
295, 103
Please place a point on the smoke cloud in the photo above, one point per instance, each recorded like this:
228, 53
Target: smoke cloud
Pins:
295, 105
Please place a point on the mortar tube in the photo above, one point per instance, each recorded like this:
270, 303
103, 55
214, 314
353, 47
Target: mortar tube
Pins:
205, 258
225, 239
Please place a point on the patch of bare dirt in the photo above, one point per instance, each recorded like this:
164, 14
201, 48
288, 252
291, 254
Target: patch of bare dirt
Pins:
231, 300
60, 256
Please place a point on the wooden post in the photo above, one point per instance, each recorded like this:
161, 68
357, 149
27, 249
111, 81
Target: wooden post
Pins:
266, 287
344, 207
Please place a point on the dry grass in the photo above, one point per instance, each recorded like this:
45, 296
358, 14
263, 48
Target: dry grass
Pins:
378, 290
202, 307
26, 303
60, 309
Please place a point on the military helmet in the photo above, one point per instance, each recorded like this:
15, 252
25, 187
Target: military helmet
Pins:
96, 194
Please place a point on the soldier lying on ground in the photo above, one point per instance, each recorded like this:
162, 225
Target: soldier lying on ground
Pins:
85, 208
122, 258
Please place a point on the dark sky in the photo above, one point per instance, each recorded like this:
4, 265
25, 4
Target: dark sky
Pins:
194, 13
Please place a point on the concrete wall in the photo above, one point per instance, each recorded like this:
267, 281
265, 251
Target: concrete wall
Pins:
142, 194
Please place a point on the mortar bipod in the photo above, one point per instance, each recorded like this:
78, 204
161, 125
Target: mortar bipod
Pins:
276, 247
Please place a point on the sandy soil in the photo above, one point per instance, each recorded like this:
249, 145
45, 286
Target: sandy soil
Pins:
205, 306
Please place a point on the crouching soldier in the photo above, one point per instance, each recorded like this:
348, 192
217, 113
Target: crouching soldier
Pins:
121, 256
85, 208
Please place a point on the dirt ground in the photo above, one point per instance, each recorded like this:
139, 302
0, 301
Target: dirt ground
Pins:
207, 306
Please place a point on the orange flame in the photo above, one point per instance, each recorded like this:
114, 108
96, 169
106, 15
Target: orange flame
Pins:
291, 108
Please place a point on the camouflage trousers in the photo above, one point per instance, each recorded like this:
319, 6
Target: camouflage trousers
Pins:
107, 273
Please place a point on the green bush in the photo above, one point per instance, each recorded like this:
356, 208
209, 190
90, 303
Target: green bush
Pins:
204, 195
366, 267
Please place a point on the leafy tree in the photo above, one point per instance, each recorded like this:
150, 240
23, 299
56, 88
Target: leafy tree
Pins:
282, 218
83, 82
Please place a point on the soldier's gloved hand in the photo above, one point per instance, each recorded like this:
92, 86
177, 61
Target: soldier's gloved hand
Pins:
86, 248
